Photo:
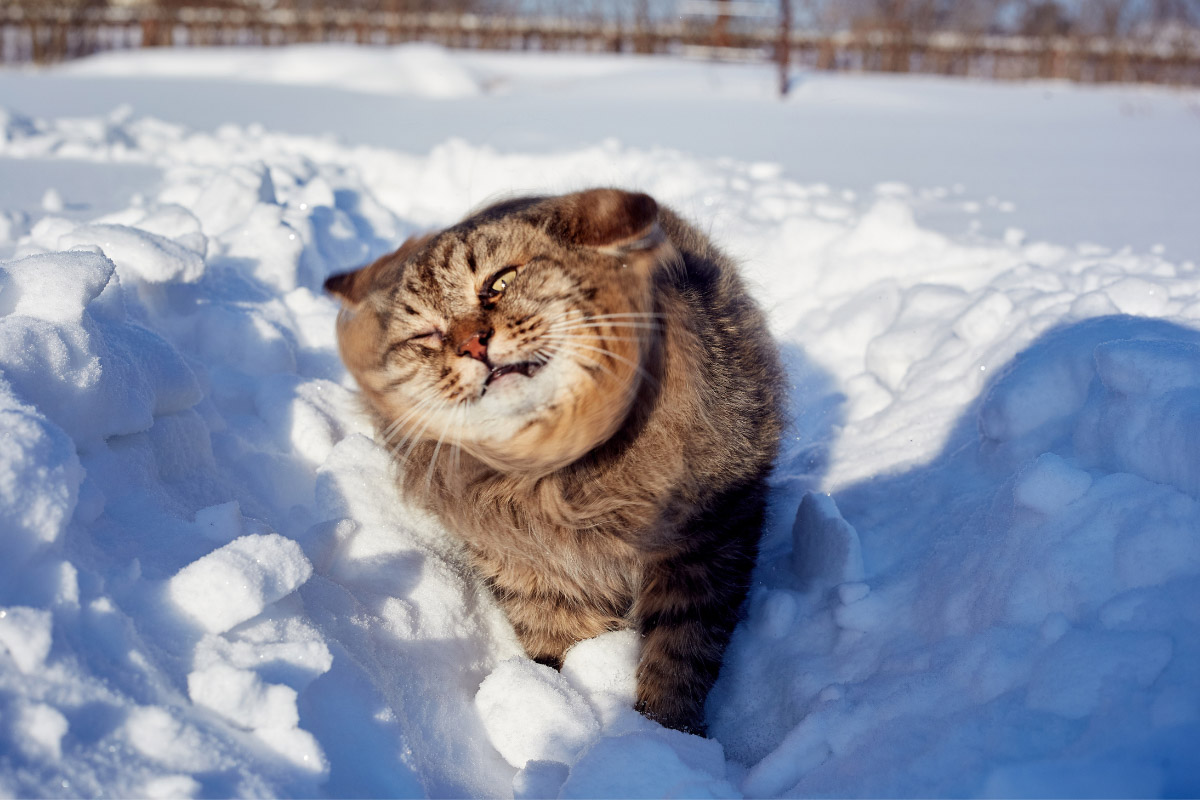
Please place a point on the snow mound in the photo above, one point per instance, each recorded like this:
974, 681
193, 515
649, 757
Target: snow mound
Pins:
411, 69
531, 713
25, 634
980, 576
236, 582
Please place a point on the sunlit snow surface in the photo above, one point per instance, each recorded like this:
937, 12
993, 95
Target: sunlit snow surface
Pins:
981, 575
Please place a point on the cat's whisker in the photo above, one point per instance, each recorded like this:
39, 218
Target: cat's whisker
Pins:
563, 315
393, 443
624, 314
592, 336
424, 401
592, 326
453, 423
576, 345
416, 440
433, 460
575, 316
413, 437
580, 342
654, 326
623, 327
395, 425
574, 353
462, 413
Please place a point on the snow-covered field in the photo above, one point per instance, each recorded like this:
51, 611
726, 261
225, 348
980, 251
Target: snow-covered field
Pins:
982, 572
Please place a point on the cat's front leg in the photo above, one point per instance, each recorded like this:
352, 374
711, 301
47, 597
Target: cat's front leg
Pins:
548, 623
687, 609
689, 603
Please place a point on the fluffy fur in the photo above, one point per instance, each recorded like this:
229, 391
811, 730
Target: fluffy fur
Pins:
581, 388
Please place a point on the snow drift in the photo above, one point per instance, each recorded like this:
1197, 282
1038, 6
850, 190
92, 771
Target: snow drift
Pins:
981, 574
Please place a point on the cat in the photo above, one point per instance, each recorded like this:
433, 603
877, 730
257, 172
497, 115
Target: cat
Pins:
582, 389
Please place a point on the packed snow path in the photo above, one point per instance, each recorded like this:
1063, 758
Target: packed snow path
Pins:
981, 574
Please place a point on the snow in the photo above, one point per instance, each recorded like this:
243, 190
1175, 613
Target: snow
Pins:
236, 582
424, 70
25, 634
531, 713
981, 571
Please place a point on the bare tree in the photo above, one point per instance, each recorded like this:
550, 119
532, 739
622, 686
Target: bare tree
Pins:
1109, 18
1045, 19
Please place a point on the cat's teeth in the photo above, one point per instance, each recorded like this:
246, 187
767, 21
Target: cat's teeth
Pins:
526, 368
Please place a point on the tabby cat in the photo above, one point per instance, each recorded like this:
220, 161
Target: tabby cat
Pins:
582, 390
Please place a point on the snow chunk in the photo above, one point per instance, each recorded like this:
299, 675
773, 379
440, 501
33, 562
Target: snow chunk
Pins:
531, 713
1039, 391
158, 735
40, 476
287, 647
1050, 485
172, 221
243, 698
644, 764
604, 670
54, 287
139, 254
38, 730
230, 197
1145, 417
1138, 296
236, 582
169, 787
1148, 368
26, 634
298, 746
777, 613
302, 414
97, 378
825, 548
985, 320
859, 610
888, 228
539, 779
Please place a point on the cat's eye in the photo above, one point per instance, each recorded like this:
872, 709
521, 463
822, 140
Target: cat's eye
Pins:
429, 337
499, 282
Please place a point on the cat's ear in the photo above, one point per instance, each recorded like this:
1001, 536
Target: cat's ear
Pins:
353, 287
610, 220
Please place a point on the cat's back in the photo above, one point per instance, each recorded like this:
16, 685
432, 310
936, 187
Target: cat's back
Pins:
727, 346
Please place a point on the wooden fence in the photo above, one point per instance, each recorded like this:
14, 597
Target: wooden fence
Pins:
43, 33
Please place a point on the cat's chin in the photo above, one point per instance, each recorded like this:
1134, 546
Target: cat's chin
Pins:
535, 425
512, 393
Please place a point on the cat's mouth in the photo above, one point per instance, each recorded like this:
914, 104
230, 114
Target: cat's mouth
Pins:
526, 368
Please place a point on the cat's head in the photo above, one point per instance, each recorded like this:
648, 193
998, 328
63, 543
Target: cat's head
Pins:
518, 335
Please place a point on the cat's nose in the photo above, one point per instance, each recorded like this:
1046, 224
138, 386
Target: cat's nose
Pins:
475, 345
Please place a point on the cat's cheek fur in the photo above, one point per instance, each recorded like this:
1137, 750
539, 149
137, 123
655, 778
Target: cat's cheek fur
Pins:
540, 424
508, 404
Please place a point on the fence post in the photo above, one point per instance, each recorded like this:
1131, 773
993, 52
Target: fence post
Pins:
720, 32
784, 50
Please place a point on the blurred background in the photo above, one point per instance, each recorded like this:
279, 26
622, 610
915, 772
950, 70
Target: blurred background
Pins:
1155, 41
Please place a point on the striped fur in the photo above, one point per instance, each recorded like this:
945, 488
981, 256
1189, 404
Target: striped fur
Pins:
621, 482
